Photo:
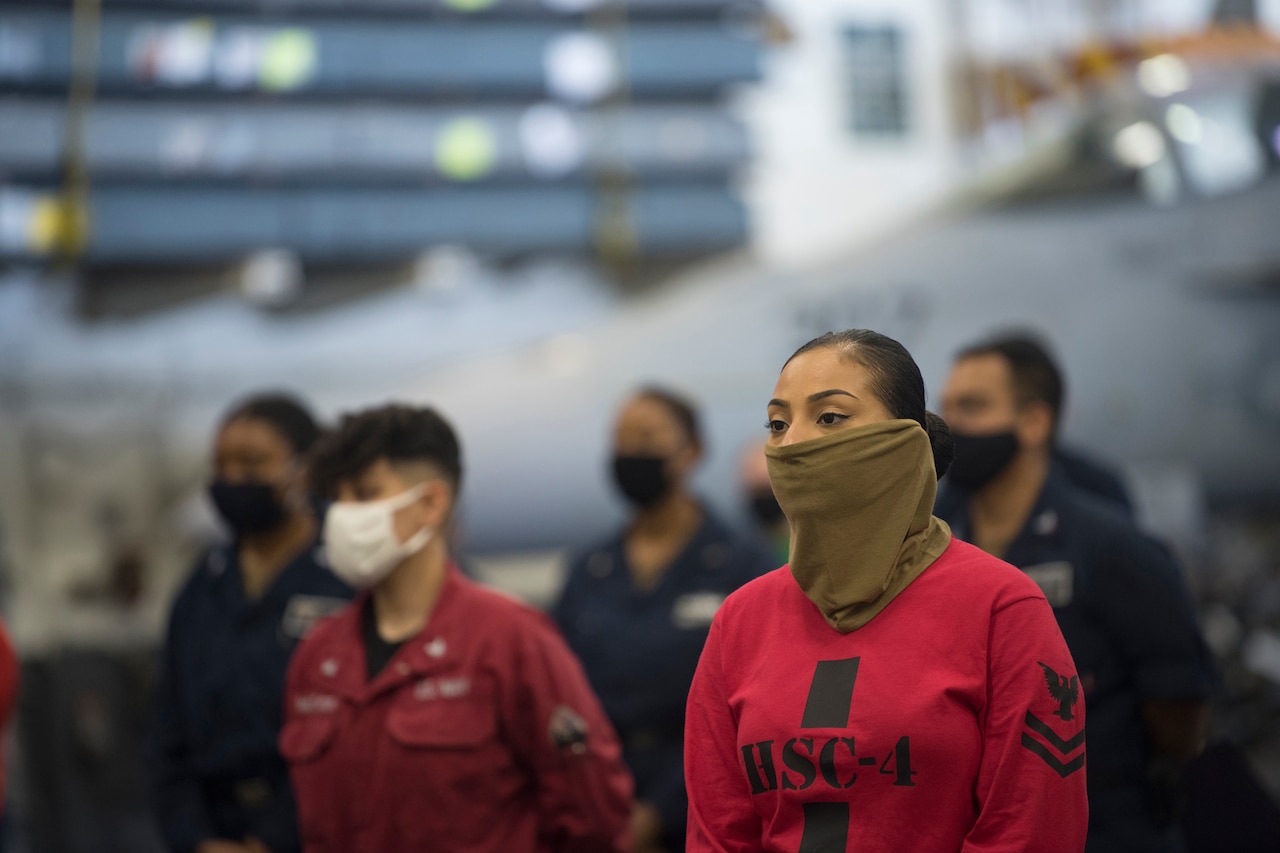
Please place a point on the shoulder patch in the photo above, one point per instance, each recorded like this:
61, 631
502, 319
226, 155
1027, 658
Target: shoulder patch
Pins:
1040, 737
568, 730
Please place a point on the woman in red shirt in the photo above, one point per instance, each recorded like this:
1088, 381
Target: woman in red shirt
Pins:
891, 689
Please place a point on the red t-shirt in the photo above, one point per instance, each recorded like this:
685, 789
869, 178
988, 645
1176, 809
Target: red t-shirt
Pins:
932, 728
480, 734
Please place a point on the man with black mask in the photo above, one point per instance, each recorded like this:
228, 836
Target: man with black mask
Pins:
1121, 600
220, 785
636, 609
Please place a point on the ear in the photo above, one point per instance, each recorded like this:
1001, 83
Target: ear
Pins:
1035, 426
686, 459
295, 486
436, 503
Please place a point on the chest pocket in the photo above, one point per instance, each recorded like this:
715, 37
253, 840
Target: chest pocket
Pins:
696, 610
1056, 580
307, 738
455, 724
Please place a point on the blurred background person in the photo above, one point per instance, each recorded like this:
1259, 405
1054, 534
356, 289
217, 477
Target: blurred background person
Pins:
767, 518
636, 608
1121, 600
9, 680
220, 784
435, 714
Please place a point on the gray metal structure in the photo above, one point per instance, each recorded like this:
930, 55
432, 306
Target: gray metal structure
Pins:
147, 141
458, 8
137, 224
157, 52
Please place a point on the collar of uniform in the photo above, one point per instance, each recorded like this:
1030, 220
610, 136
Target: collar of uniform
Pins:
1044, 520
1046, 517
433, 649
223, 565
709, 546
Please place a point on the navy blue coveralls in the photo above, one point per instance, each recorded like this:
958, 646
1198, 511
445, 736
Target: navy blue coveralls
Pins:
640, 649
1127, 616
217, 770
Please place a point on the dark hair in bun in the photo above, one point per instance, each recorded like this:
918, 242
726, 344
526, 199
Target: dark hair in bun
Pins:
944, 449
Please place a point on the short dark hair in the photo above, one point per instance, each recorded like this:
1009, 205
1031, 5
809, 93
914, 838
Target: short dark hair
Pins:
681, 408
396, 433
895, 379
1036, 376
284, 413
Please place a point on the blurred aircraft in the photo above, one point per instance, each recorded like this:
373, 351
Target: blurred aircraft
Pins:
1166, 321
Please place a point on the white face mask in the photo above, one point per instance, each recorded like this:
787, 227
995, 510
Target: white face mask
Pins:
360, 538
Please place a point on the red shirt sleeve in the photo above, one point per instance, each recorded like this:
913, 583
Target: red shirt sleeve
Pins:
8, 678
721, 818
557, 724
1031, 782
8, 694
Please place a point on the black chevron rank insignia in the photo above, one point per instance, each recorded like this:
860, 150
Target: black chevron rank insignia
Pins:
1039, 736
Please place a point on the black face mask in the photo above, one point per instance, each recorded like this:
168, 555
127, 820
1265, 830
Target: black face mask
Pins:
247, 507
765, 510
642, 480
979, 458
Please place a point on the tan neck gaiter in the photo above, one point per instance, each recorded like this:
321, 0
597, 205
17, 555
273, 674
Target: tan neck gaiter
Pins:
860, 503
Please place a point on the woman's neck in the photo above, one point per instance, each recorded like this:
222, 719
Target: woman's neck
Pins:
658, 534
403, 601
264, 555
676, 516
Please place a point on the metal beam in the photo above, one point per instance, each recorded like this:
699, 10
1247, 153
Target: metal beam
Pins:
188, 225
164, 53
195, 140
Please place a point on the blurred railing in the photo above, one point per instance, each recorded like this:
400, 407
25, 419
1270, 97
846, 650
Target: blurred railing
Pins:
327, 128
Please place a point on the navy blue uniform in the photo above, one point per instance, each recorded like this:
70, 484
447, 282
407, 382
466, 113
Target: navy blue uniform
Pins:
1094, 477
1127, 616
640, 649
218, 773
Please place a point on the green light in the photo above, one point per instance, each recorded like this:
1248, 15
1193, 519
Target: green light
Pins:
465, 150
470, 5
288, 61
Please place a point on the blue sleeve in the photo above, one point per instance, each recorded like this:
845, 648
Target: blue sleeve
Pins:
1147, 607
177, 798
277, 827
668, 796
566, 606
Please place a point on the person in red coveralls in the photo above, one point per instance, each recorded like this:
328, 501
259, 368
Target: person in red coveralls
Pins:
891, 688
434, 714
9, 667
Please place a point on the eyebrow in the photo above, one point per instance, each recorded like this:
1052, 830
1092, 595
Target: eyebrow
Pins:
821, 395
813, 398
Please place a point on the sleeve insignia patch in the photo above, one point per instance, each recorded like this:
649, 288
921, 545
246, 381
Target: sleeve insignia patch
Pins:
1040, 738
568, 731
